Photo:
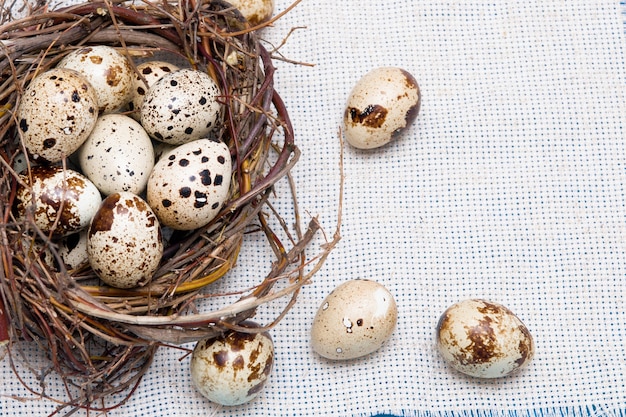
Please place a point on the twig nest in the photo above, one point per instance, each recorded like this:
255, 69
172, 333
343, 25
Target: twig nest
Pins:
484, 339
381, 104
354, 320
124, 243
57, 112
100, 339
233, 368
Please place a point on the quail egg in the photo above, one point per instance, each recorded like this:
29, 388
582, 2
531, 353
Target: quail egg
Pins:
354, 320
62, 201
382, 103
57, 112
118, 155
73, 250
233, 368
147, 74
124, 242
255, 11
483, 339
189, 185
107, 69
181, 107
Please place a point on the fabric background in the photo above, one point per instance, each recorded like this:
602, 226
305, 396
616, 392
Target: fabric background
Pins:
509, 187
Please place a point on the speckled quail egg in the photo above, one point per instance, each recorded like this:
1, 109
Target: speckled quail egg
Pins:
73, 250
107, 69
255, 11
381, 104
20, 162
354, 320
124, 242
146, 75
62, 201
189, 185
118, 155
483, 339
56, 114
233, 368
181, 107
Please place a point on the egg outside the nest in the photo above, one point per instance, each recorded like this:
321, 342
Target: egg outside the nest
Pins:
381, 105
354, 320
124, 242
233, 368
484, 339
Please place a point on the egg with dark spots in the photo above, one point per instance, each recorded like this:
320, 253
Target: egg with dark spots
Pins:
189, 185
56, 113
233, 368
484, 339
381, 105
146, 75
124, 241
354, 320
108, 70
181, 106
60, 201
118, 155
73, 250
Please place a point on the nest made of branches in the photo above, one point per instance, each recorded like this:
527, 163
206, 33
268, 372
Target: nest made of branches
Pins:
100, 340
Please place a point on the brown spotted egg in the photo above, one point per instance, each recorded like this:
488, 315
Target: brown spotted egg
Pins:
118, 155
124, 242
56, 114
483, 339
354, 320
73, 250
382, 104
233, 368
107, 69
181, 107
146, 75
61, 201
255, 11
189, 185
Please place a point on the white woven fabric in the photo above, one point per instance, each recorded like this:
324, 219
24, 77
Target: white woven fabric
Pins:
509, 187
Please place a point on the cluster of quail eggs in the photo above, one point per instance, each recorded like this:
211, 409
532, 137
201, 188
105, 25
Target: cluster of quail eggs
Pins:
115, 154
477, 337
91, 179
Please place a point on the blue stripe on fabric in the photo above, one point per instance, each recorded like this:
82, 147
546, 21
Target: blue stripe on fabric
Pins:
581, 411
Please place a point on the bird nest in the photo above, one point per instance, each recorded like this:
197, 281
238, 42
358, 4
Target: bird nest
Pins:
100, 340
